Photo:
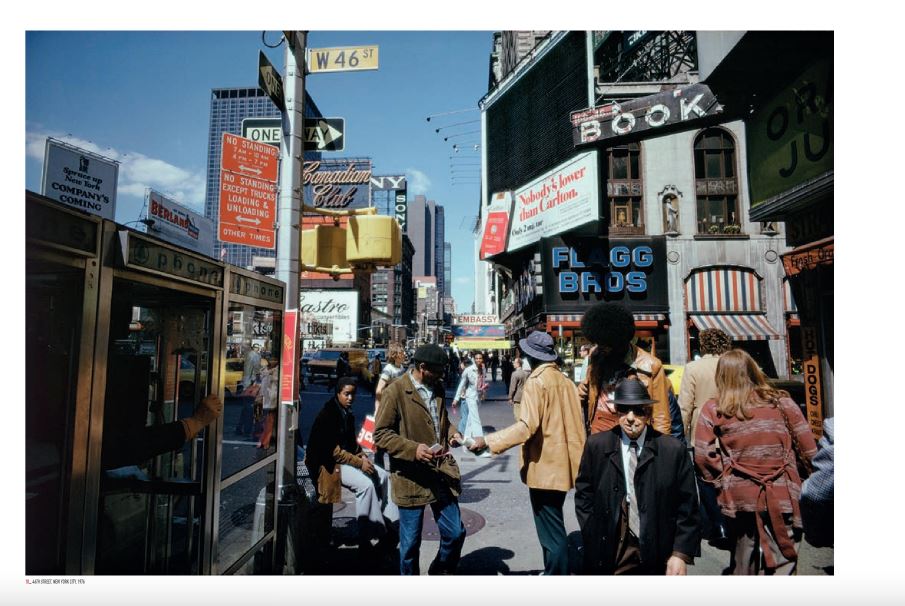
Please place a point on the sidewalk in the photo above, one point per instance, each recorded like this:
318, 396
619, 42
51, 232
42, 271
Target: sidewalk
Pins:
501, 537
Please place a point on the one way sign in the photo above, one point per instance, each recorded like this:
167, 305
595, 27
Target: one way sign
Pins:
325, 134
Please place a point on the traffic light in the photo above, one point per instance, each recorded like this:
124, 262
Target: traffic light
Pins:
324, 246
368, 241
373, 240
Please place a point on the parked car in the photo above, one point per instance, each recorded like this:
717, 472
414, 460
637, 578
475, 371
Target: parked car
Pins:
232, 380
322, 364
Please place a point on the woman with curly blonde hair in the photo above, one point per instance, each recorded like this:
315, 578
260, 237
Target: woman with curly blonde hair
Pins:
747, 443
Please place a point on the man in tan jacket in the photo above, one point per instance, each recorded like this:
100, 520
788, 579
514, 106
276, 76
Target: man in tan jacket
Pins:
699, 378
551, 432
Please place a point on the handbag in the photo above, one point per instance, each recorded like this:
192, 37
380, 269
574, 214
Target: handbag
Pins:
804, 464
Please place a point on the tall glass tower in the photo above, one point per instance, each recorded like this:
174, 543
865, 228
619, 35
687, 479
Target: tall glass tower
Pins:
229, 106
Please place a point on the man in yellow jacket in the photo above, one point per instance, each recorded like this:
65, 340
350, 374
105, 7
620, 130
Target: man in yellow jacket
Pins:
551, 432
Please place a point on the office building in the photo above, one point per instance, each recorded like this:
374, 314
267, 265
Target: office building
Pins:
229, 106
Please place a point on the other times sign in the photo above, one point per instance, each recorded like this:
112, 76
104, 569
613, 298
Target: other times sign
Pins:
248, 197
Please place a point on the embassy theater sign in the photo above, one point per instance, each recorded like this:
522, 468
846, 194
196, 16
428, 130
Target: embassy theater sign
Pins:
580, 271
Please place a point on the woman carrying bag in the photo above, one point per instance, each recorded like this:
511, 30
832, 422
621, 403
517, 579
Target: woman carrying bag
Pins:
749, 443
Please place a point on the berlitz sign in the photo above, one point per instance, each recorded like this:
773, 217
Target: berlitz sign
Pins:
680, 106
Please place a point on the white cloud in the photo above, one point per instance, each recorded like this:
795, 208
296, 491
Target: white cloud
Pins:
417, 181
136, 171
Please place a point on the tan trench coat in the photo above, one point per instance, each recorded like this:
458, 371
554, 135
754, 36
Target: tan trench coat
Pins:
550, 429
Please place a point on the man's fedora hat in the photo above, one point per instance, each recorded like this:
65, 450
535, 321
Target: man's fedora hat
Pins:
539, 345
632, 392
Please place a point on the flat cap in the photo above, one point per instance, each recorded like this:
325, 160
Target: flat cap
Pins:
430, 353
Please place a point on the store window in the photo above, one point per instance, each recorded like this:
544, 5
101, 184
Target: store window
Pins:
716, 183
624, 189
251, 385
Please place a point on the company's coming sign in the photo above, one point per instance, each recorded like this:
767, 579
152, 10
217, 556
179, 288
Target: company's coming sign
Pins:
179, 225
564, 198
80, 179
336, 307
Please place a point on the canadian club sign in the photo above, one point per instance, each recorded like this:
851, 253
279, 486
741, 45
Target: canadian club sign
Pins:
689, 104
337, 184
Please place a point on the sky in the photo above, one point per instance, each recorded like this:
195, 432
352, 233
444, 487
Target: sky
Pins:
143, 98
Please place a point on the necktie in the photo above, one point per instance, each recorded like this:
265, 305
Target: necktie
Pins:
634, 522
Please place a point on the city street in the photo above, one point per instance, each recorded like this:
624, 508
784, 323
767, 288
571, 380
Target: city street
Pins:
501, 537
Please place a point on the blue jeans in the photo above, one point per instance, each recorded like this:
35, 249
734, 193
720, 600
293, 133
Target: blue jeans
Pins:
452, 535
470, 423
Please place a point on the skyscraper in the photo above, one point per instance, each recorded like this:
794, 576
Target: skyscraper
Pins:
229, 106
447, 269
440, 248
421, 232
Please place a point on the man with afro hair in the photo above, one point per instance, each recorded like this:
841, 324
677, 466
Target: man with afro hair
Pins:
610, 327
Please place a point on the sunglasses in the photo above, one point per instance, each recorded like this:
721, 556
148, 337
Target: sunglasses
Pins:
638, 410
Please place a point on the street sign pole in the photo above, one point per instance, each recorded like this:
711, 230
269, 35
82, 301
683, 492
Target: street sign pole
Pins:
287, 260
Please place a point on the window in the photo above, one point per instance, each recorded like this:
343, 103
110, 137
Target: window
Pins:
716, 183
623, 188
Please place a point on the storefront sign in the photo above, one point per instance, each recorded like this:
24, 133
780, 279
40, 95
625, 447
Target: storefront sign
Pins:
145, 254
80, 179
336, 307
685, 106
288, 391
177, 224
481, 319
484, 331
790, 141
807, 258
563, 198
51, 226
258, 289
341, 183
496, 224
583, 271
812, 386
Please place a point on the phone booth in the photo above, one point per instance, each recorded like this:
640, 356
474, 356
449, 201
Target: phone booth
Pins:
126, 334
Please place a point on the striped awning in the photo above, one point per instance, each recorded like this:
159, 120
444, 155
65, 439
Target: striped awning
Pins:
740, 327
723, 289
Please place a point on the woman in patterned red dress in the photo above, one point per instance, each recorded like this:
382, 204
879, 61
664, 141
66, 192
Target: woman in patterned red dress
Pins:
746, 443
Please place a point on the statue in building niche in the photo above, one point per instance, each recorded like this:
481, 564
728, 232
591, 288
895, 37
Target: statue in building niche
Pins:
670, 198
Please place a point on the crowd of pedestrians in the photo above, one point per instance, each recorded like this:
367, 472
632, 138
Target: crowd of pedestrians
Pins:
653, 476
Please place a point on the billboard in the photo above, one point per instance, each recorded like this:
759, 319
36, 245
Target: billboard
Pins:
338, 308
179, 225
337, 184
79, 178
560, 200
496, 224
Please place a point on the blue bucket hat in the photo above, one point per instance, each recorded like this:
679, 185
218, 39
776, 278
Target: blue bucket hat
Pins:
539, 345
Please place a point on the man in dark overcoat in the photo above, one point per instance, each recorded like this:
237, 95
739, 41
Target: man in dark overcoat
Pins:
635, 495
